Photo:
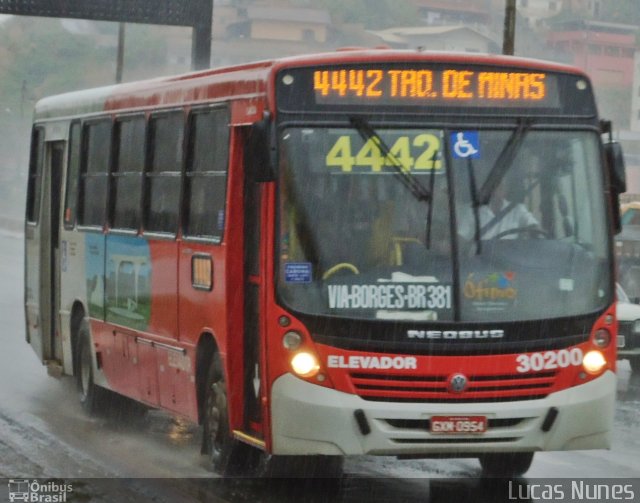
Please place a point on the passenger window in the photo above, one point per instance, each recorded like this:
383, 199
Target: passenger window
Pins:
166, 133
94, 177
206, 181
128, 169
34, 187
73, 176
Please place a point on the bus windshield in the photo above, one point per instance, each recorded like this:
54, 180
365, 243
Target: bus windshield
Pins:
505, 224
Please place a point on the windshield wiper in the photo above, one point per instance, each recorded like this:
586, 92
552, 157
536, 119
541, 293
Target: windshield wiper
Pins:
432, 180
473, 187
503, 163
405, 177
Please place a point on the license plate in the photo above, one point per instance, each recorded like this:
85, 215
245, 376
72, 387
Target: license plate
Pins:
621, 341
458, 424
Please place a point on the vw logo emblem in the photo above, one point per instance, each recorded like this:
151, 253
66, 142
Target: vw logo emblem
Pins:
458, 383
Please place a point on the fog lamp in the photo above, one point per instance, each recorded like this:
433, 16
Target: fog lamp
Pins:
593, 362
291, 340
305, 364
602, 338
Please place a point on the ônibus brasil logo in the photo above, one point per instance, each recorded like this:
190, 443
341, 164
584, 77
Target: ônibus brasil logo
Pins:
34, 491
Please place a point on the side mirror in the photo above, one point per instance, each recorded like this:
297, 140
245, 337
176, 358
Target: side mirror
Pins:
615, 163
259, 151
614, 160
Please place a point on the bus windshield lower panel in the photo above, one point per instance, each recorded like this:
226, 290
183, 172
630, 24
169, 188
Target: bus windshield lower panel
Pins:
470, 225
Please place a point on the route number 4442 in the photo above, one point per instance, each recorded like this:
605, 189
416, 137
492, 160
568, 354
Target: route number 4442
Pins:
413, 153
549, 360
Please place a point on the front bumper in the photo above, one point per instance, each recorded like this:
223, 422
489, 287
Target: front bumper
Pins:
309, 419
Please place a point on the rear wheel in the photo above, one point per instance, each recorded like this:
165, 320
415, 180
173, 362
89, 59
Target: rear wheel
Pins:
634, 363
228, 456
507, 464
92, 397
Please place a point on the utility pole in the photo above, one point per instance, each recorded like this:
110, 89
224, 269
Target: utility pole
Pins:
508, 41
120, 58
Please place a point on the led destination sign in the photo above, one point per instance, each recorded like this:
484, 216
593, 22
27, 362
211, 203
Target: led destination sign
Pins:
441, 87
435, 87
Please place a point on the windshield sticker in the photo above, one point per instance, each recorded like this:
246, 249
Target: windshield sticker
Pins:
392, 296
297, 272
465, 145
415, 153
491, 292
565, 285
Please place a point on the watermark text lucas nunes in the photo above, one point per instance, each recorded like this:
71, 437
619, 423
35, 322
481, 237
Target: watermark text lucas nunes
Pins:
575, 490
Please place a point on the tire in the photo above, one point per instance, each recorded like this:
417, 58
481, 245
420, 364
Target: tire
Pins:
228, 456
634, 363
509, 464
92, 397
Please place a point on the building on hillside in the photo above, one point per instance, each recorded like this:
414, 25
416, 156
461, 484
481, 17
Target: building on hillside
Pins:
449, 12
438, 38
280, 23
537, 12
592, 8
245, 32
604, 50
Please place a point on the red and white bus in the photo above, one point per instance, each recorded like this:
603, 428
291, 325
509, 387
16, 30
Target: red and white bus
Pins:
364, 252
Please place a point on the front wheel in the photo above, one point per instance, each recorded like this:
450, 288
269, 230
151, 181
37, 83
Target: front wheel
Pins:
507, 464
228, 456
92, 397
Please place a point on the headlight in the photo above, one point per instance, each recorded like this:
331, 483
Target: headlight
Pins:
636, 327
305, 364
593, 362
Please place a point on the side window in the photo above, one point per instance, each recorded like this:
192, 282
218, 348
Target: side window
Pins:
166, 132
94, 179
73, 176
34, 186
128, 170
206, 180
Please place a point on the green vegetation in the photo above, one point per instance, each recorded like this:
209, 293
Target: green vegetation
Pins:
38, 58
38, 52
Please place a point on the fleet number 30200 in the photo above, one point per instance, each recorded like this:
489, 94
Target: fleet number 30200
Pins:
549, 360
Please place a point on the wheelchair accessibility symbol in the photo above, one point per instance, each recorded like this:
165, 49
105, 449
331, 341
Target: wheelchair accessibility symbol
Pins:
465, 145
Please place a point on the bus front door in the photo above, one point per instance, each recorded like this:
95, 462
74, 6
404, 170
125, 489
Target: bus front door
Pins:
43, 259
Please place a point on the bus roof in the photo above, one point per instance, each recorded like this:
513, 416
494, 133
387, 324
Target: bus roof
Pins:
248, 80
